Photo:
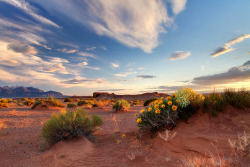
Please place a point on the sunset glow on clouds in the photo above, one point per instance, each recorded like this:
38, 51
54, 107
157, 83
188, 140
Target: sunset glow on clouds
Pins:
78, 47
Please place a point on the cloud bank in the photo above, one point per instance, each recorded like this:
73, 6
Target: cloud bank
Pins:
179, 55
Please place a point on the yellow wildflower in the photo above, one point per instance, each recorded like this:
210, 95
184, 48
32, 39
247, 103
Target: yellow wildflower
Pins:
139, 120
156, 101
123, 135
177, 101
149, 109
162, 98
157, 111
163, 106
160, 102
169, 97
117, 141
169, 103
142, 110
174, 95
156, 106
174, 107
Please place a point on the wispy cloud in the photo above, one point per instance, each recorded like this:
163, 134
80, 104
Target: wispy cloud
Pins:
228, 46
30, 10
114, 65
140, 68
179, 55
85, 63
20, 48
91, 48
86, 54
145, 76
124, 74
125, 21
178, 6
111, 90
64, 50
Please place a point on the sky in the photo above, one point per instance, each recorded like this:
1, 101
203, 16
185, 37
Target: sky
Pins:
126, 47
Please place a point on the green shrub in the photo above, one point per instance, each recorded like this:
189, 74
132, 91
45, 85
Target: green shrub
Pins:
29, 102
161, 114
4, 100
4, 105
14, 101
239, 99
51, 100
25, 99
70, 124
20, 104
148, 101
136, 102
71, 105
85, 102
68, 100
121, 105
36, 104
214, 103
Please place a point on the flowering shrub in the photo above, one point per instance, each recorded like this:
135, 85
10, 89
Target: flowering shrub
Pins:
68, 100
121, 105
4, 105
147, 102
71, 105
160, 114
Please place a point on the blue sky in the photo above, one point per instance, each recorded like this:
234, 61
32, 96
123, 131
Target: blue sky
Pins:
78, 47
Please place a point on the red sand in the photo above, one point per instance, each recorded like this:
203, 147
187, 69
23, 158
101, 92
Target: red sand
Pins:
19, 140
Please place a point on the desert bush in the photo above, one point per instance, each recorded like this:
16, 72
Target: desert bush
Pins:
214, 103
14, 101
82, 102
25, 99
148, 101
121, 105
9, 100
239, 99
71, 105
29, 102
68, 124
4, 100
162, 114
20, 104
36, 104
86, 103
241, 145
100, 103
213, 161
68, 100
4, 105
136, 102
189, 102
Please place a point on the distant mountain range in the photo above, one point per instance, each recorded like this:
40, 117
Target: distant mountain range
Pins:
20, 91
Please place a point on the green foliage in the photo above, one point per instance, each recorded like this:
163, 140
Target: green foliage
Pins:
3, 100
68, 124
86, 102
214, 103
68, 100
71, 105
161, 114
121, 105
51, 100
36, 104
14, 101
136, 102
4, 105
25, 99
29, 102
148, 101
239, 99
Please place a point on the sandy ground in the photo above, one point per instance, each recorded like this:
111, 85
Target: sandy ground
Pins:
201, 136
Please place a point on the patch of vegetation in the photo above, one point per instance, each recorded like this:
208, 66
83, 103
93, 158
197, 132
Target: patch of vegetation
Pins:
4, 105
136, 102
121, 105
68, 100
25, 99
70, 124
51, 100
29, 102
14, 101
20, 104
36, 104
147, 102
9, 100
161, 114
239, 99
71, 105
3, 100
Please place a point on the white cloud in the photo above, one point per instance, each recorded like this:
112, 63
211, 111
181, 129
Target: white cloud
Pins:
85, 63
85, 54
178, 5
21, 48
114, 65
179, 55
91, 48
228, 46
124, 74
30, 10
140, 68
136, 24
64, 50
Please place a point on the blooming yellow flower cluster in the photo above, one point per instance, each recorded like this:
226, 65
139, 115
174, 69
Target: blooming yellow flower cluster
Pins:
139, 120
158, 111
142, 111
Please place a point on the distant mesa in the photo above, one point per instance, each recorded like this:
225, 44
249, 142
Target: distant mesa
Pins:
106, 95
20, 91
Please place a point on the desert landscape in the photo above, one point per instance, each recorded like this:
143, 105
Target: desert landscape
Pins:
203, 139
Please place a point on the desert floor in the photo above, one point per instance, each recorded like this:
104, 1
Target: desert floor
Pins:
201, 136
